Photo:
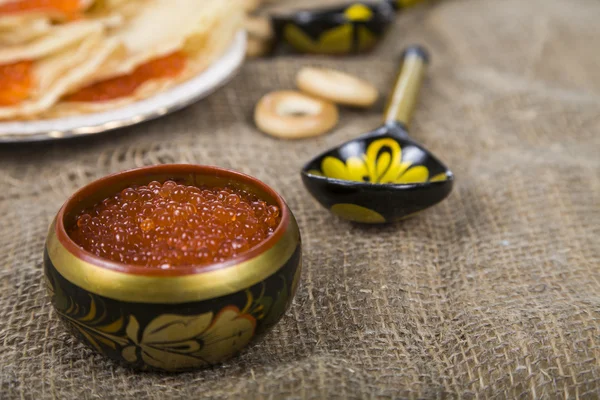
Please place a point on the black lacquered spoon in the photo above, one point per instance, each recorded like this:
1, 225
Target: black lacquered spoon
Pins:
383, 175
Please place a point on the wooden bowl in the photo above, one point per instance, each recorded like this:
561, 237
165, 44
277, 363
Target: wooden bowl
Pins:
180, 318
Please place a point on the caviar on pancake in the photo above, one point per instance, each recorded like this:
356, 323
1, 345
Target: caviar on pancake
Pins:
169, 225
69, 9
168, 66
16, 82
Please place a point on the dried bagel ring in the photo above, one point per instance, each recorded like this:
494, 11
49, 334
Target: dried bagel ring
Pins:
336, 86
289, 114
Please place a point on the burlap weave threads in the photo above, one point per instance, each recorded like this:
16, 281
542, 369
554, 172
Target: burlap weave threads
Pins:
492, 294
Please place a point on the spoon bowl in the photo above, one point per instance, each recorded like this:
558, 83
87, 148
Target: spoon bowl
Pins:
383, 175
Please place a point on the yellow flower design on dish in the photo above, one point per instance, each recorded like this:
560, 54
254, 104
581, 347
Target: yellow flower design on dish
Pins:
358, 12
356, 213
339, 39
179, 341
336, 41
381, 163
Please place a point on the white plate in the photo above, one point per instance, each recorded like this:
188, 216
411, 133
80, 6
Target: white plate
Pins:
163, 103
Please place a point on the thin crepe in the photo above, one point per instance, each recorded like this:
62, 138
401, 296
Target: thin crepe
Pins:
22, 28
13, 33
201, 29
165, 26
53, 42
58, 73
37, 28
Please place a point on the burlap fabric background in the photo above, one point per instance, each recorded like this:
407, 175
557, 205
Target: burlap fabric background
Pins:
495, 293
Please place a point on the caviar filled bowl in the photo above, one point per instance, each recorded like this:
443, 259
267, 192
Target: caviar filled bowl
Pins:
172, 267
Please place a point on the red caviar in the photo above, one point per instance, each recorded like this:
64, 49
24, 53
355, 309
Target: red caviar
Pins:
16, 82
168, 66
68, 8
169, 225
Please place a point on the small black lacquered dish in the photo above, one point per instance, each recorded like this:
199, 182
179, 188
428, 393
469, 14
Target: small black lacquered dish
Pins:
383, 175
347, 29
179, 318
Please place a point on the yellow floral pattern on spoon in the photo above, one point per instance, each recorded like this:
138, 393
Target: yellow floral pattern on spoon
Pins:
382, 163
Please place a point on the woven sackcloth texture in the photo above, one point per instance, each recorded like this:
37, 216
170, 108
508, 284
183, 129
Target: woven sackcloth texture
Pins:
495, 293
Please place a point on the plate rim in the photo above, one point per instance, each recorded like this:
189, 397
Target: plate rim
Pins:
225, 68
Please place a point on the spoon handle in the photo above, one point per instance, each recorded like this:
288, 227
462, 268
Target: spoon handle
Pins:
406, 89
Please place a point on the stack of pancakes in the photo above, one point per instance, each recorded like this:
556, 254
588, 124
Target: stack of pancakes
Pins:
64, 57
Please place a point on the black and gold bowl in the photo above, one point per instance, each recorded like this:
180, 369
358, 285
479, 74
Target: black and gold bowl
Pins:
171, 319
